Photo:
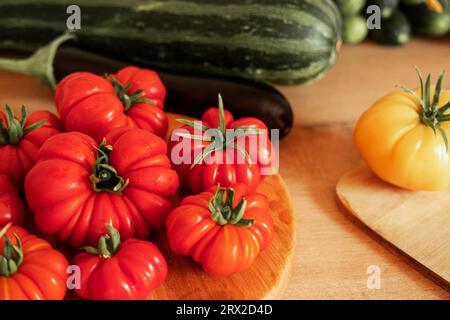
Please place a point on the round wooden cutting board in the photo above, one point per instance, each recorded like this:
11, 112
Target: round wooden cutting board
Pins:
265, 279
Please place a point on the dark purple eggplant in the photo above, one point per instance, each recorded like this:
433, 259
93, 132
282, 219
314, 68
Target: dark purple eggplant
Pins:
191, 95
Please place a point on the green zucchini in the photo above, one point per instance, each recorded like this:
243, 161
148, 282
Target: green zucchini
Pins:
427, 22
387, 7
354, 29
350, 7
394, 31
283, 41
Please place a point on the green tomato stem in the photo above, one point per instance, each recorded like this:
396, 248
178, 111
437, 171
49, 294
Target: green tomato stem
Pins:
431, 115
225, 141
128, 99
108, 244
104, 176
222, 211
12, 256
14, 130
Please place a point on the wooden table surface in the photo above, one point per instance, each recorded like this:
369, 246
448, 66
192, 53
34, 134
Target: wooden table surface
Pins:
333, 253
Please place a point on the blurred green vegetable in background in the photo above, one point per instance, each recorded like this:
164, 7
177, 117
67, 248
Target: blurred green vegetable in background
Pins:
399, 20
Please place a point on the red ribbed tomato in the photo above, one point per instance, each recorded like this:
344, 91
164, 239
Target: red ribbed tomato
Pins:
30, 269
120, 271
77, 186
20, 140
223, 231
95, 105
11, 206
221, 150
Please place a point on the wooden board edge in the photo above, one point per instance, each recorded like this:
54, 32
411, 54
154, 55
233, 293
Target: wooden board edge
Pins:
278, 291
353, 216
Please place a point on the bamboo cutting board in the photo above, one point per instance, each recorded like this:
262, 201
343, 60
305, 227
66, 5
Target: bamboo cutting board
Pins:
417, 224
265, 279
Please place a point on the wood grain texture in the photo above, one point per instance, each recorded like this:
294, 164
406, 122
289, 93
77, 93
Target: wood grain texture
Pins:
416, 223
364, 73
332, 253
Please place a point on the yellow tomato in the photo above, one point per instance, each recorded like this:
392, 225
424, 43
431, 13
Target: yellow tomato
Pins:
396, 138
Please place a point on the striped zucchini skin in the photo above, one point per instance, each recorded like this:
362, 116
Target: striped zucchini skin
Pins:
278, 41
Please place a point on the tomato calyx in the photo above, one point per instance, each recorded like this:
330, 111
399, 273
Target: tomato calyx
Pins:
222, 210
128, 100
14, 130
105, 177
108, 244
220, 138
431, 114
12, 256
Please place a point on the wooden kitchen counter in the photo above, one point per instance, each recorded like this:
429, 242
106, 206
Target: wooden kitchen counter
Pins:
333, 253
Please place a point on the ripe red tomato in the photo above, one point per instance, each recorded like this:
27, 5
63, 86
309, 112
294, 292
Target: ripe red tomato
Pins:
210, 160
125, 271
11, 206
30, 269
223, 231
95, 105
20, 140
77, 186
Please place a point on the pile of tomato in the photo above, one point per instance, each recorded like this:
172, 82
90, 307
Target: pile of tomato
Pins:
100, 177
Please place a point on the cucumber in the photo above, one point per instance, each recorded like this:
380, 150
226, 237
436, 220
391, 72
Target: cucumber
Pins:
283, 41
387, 7
350, 7
428, 23
354, 29
395, 30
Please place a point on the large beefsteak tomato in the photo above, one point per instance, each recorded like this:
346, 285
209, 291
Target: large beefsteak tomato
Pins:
95, 105
224, 231
120, 271
20, 140
403, 137
11, 206
77, 186
30, 269
221, 150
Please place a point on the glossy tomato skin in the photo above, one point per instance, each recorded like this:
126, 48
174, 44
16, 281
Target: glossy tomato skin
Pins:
12, 208
218, 168
131, 274
17, 160
41, 276
87, 103
221, 250
399, 148
60, 194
